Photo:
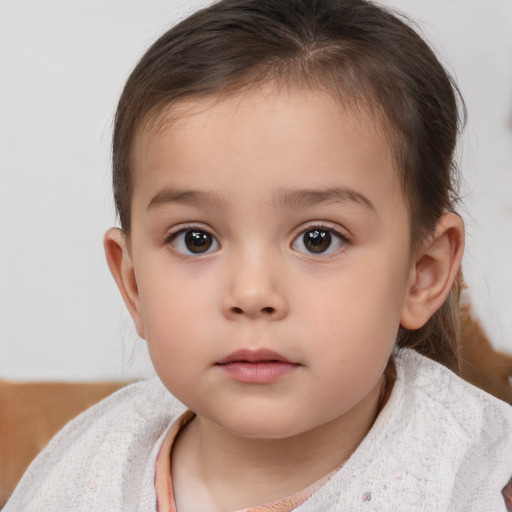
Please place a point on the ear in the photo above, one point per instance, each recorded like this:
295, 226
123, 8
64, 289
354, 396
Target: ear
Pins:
120, 262
435, 267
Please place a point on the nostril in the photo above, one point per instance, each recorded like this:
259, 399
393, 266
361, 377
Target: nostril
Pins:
269, 310
238, 310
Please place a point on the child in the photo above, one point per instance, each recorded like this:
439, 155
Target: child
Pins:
283, 173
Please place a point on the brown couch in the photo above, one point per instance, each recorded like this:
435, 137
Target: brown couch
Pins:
31, 414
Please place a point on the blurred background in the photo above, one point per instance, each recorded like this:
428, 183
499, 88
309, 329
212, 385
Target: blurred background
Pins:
62, 68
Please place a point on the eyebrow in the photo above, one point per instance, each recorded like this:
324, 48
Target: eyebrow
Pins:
282, 197
186, 197
300, 198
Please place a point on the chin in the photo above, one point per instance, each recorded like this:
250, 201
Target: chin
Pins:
262, 429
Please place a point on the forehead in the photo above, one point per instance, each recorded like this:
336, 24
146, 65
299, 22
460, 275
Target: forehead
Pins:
298, 137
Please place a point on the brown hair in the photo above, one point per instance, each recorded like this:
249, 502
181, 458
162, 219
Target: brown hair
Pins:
361, 53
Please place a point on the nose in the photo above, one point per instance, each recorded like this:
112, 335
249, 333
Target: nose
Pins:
255, 290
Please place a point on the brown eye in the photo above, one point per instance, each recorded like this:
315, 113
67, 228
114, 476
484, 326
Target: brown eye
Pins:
194, 241
198, 241
319, 241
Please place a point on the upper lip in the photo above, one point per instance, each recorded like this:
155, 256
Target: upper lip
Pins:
254, 356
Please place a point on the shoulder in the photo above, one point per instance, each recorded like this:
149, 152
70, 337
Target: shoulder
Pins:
433, 391
102, 458
468, 430
439, 444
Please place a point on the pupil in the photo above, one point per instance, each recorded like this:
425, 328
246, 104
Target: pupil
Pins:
317, 240
198, 241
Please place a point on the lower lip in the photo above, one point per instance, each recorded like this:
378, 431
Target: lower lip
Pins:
259, 372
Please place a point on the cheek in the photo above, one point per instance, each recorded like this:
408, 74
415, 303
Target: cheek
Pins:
178, 356
173, 298
176, 313
355, 322
370, 301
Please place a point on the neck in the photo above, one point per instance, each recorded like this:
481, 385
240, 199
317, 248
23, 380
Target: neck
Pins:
240, 472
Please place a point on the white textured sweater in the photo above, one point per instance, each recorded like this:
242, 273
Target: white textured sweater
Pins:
439, 444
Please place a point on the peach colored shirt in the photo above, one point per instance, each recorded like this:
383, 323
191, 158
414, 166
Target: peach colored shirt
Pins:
163, 477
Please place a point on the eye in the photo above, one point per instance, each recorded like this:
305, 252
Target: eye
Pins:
319, 241
193, 241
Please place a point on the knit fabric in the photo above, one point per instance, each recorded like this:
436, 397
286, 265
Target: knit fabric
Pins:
439, 444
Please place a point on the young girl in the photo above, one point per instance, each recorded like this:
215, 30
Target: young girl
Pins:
283, 173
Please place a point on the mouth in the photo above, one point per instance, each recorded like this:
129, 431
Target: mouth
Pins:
260, 366
254, 356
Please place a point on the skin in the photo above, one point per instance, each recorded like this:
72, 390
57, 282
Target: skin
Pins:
252, 171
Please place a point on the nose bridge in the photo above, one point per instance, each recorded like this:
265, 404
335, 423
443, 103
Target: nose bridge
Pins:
254, 284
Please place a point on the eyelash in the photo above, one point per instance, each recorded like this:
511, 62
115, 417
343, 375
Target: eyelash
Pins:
204, 237
172, 238
321, 226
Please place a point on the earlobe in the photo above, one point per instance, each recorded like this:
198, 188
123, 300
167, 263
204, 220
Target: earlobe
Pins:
435, 268
121, 266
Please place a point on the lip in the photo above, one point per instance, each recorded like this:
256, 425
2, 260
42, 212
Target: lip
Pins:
254, 356
260, 366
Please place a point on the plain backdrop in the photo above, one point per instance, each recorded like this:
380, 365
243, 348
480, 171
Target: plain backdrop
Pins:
62, 67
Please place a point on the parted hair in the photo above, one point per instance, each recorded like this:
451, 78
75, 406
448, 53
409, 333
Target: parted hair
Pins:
364, 55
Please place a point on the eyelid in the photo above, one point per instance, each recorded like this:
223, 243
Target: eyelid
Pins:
323, 224
187, 226
333, 228
171, 237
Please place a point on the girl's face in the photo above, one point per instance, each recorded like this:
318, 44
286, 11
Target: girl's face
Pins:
270, 244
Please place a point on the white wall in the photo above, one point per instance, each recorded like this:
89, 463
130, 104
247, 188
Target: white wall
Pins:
62, 67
